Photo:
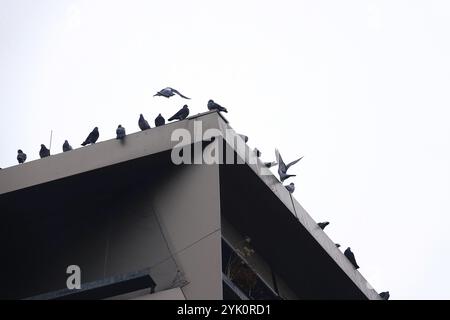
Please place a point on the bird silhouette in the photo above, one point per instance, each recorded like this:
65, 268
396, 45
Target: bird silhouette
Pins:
322, 225
169, 92
181, 114
385, 295
214, 106
92, 137
160, 121
66, 146
283, 168
120, 132
21, 157
270, 164
44, 152
351, 257
143, 124
290, 187
244, 137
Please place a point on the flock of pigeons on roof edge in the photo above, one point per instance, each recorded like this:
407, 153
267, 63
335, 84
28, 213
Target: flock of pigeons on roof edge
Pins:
92, 138
182, 114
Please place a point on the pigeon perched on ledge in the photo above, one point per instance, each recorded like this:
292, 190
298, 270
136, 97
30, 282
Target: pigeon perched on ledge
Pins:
66, 146
92, 137
160, 121
270, 164
351, 257
44, 152
21, 157
385, 295
181, 114
214, 106
322, 225
143, 124
169, 92
244, 137
290, 187
120, 132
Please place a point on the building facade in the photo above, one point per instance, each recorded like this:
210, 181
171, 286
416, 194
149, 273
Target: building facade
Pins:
139, 226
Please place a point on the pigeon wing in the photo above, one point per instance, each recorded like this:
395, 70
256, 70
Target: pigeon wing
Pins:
281, 166
178, 93
293, 162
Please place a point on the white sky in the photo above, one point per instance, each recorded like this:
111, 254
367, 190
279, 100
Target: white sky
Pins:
360, 88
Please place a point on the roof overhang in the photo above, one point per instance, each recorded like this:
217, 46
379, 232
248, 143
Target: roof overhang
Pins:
251, 198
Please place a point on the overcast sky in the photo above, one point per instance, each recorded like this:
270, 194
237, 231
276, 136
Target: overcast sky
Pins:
360, 88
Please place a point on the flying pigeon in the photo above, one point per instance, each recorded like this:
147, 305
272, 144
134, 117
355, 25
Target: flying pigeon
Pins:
290, 187
181, 114
44, 152
350, 256
21, 157
270, 164
338, 245
92, 137
143, 124
385, 295
322, 225
283, 168
160, 121
214, 106
66, 146
168, 92
120, 132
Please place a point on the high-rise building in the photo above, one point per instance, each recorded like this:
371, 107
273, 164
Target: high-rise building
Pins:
128, 222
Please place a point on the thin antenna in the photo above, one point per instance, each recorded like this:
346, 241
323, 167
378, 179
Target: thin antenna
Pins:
51, 136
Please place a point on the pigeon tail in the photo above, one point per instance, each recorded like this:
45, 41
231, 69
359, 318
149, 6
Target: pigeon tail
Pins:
287, 176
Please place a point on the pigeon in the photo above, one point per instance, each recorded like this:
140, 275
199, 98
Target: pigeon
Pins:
290, 187
66, 146
350, 256
92, 137
385, 295
322, 225
44, 152
338, 245
270, 164
21, 157
120, 132
181, 114
257, 152
160, 121
168, 92
283, 168
214, 106
244, 137
143, 124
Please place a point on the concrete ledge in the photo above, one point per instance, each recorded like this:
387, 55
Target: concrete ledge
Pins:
101, 154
